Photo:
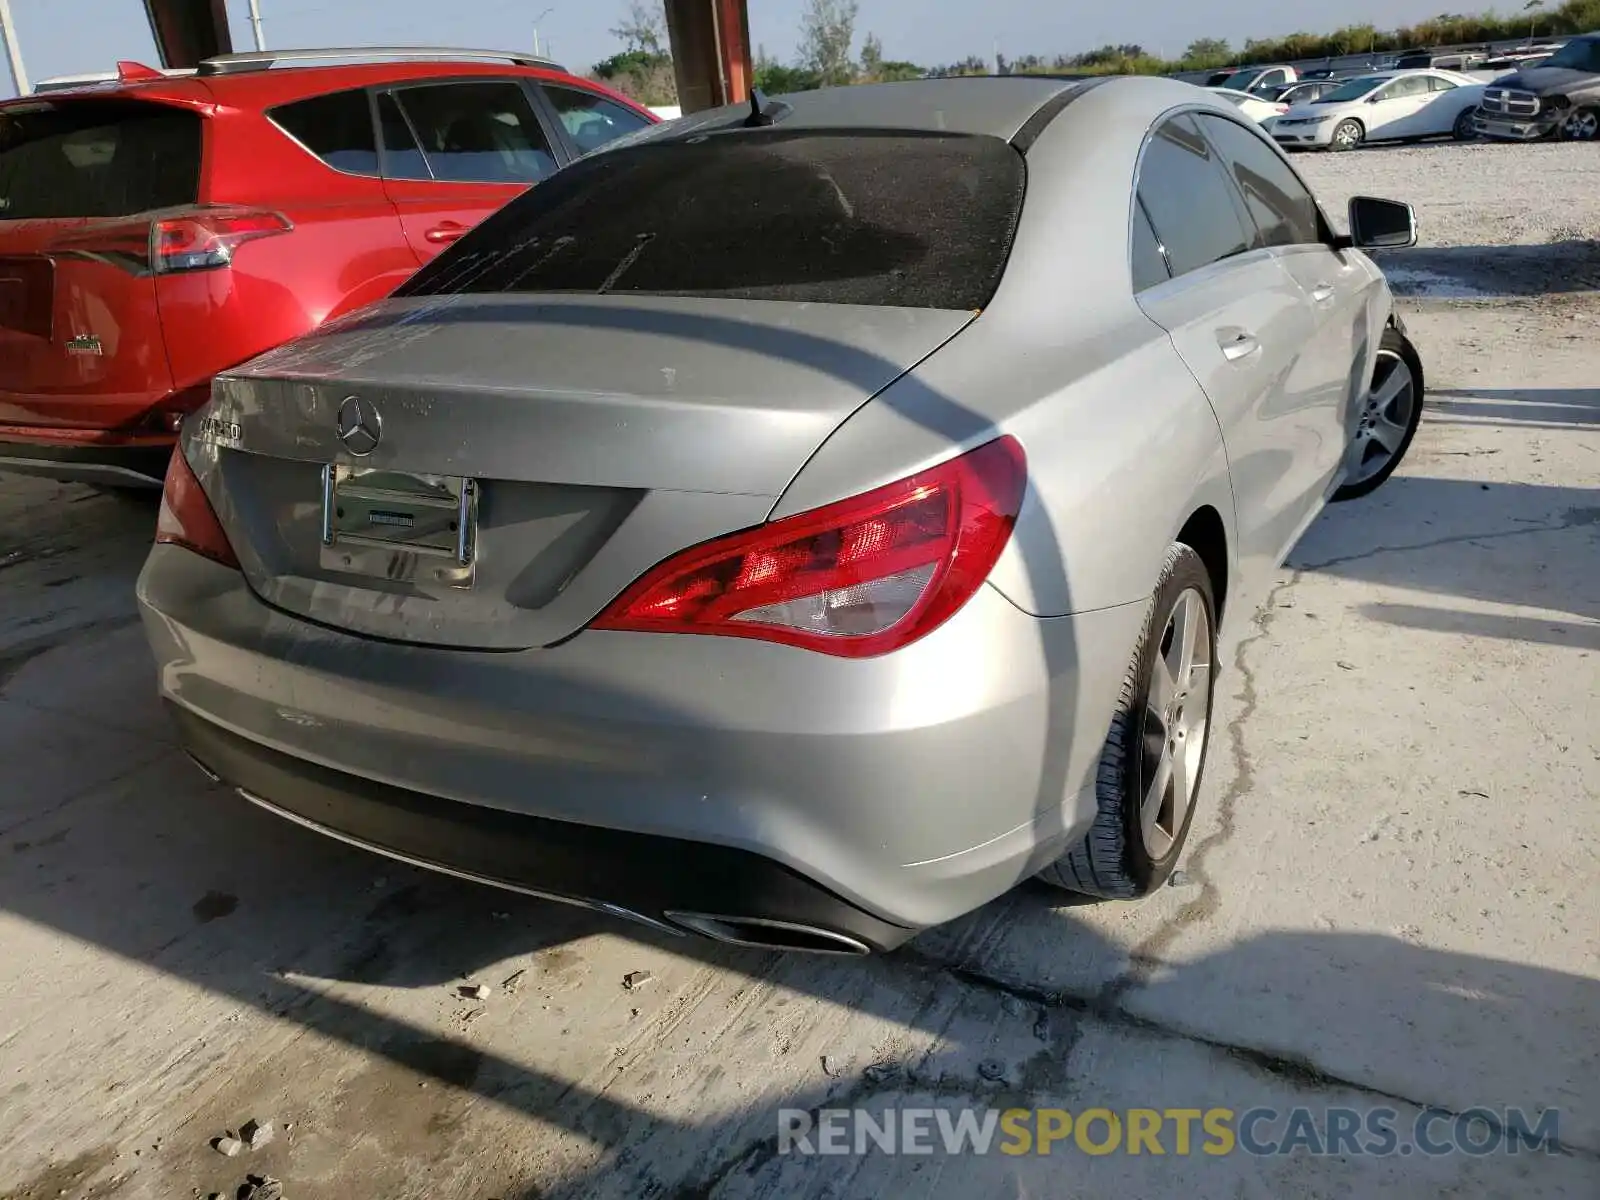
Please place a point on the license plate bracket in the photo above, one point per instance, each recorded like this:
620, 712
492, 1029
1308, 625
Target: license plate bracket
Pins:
401, 526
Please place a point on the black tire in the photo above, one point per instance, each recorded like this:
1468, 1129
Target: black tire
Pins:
1355, 134
1395, 343
1466, 127
1113, 862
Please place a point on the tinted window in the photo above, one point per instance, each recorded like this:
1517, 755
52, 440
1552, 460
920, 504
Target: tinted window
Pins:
478, 132
402, 157
1580, 54
1353, 90
1149, 266
1189, 200
336, 128
1279, 203
1440, 84
97, 160
591, 120
1415, 85
915, 220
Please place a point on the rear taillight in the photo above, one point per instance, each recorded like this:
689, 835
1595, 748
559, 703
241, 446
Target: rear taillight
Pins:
197, 239
187, 518
202, 240
857, 578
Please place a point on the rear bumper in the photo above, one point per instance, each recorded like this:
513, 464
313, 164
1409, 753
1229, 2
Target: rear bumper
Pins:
871, 797
632, 875
137, 463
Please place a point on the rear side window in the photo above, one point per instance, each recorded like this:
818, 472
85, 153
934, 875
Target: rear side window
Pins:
477, 133
592, 121
97, 159
337, 128
1279, 203
874, 218
1186, 192
1149, 264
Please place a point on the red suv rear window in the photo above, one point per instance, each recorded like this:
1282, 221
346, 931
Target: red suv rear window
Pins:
97, 158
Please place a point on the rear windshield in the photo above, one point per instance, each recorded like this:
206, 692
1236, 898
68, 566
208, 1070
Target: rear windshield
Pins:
910, 220
96, 159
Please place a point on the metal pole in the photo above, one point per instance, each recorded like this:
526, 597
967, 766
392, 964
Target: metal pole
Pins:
255, 23
8, 31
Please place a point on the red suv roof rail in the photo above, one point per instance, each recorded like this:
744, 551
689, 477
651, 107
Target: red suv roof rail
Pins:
262, 60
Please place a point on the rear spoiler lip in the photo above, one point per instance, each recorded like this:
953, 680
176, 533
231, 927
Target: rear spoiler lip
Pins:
189, 94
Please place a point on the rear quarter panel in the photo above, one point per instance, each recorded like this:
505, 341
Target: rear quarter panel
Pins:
346, 250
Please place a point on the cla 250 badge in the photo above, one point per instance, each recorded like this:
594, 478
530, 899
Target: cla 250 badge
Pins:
215, 429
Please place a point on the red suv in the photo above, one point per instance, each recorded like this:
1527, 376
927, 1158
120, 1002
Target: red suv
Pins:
163, 226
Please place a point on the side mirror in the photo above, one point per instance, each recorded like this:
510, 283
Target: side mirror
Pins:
1381, 224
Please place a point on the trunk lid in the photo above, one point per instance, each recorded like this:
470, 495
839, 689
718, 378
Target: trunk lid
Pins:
81, 344
602, 433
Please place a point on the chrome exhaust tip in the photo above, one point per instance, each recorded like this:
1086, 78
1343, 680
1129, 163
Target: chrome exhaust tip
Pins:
761, 934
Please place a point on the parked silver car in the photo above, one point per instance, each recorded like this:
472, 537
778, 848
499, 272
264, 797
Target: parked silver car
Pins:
798, 525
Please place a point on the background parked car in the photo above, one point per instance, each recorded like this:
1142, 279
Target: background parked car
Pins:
1556, 98
1259, 109
1254, 79
1392, 106
1303, 92
157, 228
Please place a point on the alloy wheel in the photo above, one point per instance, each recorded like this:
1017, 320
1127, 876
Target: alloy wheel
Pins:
1348, 135
1385, 417
1581, 125
1177, 715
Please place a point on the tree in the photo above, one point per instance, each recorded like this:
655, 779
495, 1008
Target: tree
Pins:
1208, 52
643, 28
827, 31
871, 59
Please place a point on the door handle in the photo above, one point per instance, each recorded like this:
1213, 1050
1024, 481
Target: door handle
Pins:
446, 231
1323, 293
1237, 345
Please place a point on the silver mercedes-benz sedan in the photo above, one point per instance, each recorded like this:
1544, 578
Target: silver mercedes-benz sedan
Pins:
798, 524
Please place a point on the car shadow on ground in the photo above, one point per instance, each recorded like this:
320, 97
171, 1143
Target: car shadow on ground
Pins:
1567, 267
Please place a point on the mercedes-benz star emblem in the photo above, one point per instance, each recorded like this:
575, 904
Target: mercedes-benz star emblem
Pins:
360, 426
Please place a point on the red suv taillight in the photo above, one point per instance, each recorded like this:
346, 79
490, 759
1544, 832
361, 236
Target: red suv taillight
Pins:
857, 578
187, 518
197, 239
203, 240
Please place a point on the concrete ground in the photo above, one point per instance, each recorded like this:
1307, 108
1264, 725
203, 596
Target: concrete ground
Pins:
1390, 899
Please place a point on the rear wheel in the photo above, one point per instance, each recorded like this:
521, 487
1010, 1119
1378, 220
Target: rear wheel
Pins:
1581, 125
1466, 128
1348, 135
1390, 415
1151, 765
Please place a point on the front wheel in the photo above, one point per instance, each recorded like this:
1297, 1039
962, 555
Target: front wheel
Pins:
1390, 415
1153, 757
1466, 128
1348, 135
1581, 125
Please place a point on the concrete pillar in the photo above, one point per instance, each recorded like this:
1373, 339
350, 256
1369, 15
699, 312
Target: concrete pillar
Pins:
187, 31
710, 51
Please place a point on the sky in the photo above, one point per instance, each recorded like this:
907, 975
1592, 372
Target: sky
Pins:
68, 37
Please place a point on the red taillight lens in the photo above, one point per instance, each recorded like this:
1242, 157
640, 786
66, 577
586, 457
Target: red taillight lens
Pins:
858, 578
187, 518
202, 240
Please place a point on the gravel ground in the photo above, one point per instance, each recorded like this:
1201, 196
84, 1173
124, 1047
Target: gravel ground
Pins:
1479, 194
1390, 899
1495, 221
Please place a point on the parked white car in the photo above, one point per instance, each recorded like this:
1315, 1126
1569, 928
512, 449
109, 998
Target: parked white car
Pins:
1262, 112
1384, 106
